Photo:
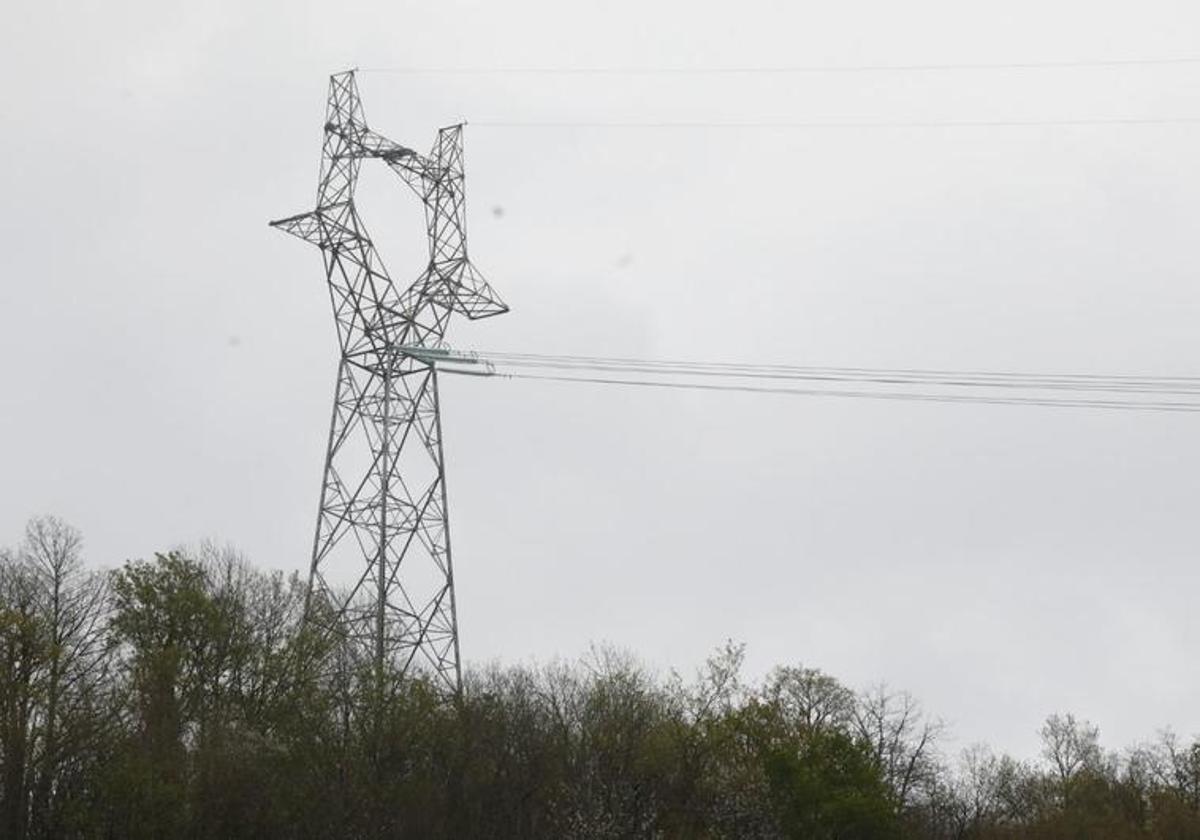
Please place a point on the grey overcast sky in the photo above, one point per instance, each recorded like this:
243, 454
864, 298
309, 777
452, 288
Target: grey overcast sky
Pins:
168, 360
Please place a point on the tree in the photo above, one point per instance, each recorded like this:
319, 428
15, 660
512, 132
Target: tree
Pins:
901, 741
24, 651
817, 783
53, 680
184, 697
164, 622
810, 699
1175, 766
74, 720
1070, 747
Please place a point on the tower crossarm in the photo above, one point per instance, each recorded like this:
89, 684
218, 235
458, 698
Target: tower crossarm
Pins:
450, 282
370, 310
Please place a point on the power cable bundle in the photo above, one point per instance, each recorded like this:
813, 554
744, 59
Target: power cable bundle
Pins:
1062, 390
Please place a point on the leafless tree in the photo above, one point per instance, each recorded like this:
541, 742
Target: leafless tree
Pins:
1172, 764
52, 612
1070, 746
901, 739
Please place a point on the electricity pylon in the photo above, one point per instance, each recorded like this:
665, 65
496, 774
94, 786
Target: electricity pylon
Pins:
383, 522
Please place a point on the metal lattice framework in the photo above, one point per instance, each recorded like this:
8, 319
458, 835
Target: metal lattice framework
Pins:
383, 515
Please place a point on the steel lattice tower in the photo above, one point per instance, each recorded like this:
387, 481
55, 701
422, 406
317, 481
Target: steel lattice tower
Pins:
383, 499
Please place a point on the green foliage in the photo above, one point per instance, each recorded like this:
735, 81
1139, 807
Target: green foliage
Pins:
182, 697
822, 783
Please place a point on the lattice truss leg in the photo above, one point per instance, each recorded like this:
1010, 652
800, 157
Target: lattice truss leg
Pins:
381, 567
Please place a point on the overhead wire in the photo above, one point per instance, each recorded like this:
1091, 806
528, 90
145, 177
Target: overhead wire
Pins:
741, 70
1047, 402
807, 125
1116, 391
1083, 122
964, 386
885, 376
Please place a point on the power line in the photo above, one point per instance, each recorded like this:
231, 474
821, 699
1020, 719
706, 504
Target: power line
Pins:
837, 125
767, 70
1180, 407
756, 70
972, 378
879, 378
1119, 391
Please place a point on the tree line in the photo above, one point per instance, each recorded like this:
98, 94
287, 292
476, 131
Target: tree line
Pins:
183, 697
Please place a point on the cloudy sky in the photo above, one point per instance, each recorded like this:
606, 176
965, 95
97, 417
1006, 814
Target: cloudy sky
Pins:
168, 360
